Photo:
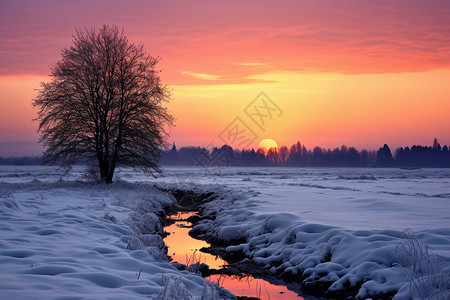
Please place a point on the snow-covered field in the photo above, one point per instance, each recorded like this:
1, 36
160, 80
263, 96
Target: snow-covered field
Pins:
75, 240
338, 230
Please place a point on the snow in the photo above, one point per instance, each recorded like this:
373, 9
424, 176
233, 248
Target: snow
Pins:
71, 239
336, 230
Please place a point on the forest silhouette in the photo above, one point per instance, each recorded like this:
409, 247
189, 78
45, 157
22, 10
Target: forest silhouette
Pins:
297, 155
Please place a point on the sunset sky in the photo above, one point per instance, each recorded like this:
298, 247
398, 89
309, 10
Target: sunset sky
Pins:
360, 73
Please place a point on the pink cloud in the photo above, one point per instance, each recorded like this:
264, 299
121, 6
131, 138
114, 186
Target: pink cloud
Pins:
211, 38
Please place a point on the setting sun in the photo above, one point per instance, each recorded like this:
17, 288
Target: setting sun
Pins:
267, 144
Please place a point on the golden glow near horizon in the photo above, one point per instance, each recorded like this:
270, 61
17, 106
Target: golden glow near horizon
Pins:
328, 110
325, 109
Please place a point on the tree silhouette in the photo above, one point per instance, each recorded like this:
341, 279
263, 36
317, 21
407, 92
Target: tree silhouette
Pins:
415, 157
353, 158
317, 157
436, 144
295, 155
364, 158
384, 157
104, 104
284, 154
272, 155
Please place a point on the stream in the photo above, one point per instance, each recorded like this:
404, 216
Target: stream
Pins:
184, 249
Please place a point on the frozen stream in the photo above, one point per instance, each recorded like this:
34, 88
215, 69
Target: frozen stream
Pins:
186, 250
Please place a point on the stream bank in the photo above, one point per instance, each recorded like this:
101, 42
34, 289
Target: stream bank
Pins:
240, 276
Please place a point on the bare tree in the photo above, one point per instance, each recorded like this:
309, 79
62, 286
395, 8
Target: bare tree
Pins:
104, 103
284, 153
272, 155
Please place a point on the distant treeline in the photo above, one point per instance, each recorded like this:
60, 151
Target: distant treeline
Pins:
20, 161
299, 156
296, 156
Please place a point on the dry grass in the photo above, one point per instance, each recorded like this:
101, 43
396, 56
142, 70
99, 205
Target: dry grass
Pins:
428, 274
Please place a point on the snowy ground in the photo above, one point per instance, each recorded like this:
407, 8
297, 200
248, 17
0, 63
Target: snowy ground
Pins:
338, 230
74, 240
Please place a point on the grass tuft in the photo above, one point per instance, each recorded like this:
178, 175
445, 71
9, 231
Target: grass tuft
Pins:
428, 274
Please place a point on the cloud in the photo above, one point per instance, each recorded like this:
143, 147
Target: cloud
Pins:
203, 76
238, 38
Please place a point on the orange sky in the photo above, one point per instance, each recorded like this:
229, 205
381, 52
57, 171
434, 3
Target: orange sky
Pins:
339, 72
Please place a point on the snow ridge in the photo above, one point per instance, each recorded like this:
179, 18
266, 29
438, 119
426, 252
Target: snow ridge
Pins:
326, 260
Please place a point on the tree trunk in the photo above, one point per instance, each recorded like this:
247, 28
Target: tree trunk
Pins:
105, 174
109, 177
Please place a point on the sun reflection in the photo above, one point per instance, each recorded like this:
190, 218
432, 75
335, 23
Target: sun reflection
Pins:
249, 286
186, 250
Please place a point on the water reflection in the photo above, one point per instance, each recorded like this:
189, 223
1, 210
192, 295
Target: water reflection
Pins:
186, 250
253, 287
